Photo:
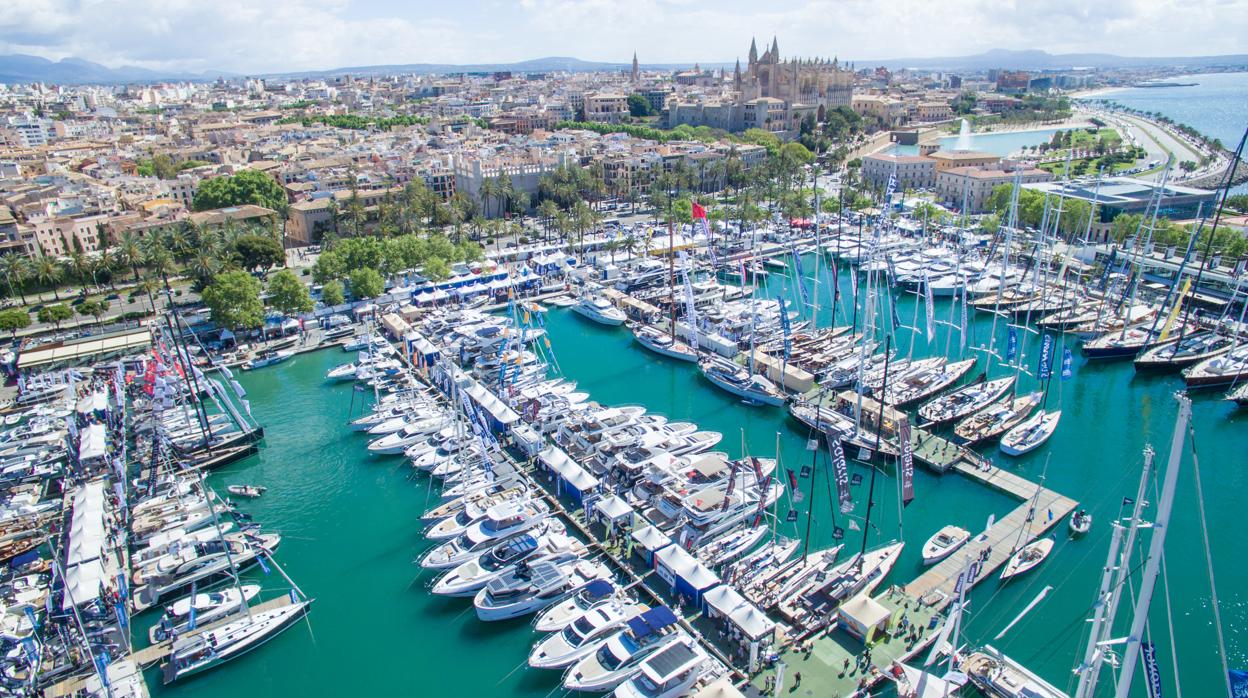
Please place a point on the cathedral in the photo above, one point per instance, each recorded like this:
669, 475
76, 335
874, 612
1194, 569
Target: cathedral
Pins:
814, 82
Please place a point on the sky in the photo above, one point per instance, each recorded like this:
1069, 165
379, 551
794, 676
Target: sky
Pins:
258, 36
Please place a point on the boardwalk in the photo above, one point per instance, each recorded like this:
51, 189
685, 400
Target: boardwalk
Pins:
936, 586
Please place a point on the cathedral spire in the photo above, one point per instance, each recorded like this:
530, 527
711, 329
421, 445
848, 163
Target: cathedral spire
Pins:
753, 51
736, 76
775, 50
636, 74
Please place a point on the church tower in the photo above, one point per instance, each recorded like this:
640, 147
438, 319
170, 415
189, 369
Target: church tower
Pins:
753, 52
736, 77
636, 74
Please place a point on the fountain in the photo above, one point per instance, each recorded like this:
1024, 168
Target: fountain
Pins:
964, 136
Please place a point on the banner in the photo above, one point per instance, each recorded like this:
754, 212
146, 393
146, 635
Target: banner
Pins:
1174, 312
840, 471
896, 318
797, 492
1011, 344
1068, 364
1045, 368
785, 328
929, 307
732, 485
907, 462
802, 293
1239, 683
963, 340
762, 501
1152, 674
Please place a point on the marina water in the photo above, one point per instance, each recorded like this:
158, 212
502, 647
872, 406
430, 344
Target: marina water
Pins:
351, 522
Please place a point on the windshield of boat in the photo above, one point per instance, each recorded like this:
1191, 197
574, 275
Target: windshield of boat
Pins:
607, 656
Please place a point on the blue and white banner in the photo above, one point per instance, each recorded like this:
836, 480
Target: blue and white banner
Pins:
1239, 683
1046, 358
1152, 674
1011, 345
802, 293
1068, 368
785, 327
963, 340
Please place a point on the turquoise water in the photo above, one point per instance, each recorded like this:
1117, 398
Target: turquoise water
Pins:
1002, 144
351, 522
1216, 106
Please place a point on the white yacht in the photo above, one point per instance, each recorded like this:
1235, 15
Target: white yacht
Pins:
532, 588
620, 657
468, 578
581, 637
208, 607
599, 309
943, 543
669, 673
212, 648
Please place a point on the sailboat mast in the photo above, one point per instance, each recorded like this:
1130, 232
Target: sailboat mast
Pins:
1107, 598
671, 269
1131, 656
879, 427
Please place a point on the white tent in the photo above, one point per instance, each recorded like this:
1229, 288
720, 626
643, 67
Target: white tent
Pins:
683, 571
569, 470
491, 404
93, 443
614, 509
82, 583
862, 616
753, 622
651, 538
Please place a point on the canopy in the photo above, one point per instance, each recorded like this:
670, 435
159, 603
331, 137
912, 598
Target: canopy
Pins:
498, 409
94, 442
82, 584
721, 688
683, 571
862, 615
731, 605
651, 538
572, 473
614, 508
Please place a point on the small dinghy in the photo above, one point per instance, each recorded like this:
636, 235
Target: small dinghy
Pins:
1080, 522
248, 491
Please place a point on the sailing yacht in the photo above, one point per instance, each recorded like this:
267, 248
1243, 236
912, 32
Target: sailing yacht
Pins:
207, 607
212, 648
753, 388
964, 401
997, 675
1030, 434
1027, 558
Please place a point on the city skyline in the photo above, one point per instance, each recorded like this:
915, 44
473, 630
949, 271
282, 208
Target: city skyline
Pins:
304, 35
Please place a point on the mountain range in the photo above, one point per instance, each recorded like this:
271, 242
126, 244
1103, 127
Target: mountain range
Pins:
19, 68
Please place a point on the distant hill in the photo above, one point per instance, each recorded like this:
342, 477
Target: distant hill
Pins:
1043, 60
18, 68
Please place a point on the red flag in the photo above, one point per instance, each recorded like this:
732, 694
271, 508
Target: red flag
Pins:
698, 211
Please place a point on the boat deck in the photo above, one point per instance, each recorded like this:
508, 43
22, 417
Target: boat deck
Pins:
834, 663
936, 585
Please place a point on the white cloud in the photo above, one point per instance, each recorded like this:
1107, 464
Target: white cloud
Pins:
274, 35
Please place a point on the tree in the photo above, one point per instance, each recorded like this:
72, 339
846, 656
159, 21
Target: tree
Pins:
436, 269
287, 294
366, 283
1238, 202
16, 271
638, 105
234, 299
93, 308
331, 293
14, 319
55, 314
246, 187
258, 252
48, 273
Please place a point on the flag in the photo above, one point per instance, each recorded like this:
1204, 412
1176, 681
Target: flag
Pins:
963, 340
1045, 368
699, 214
785, 328
762, 499
838, 533
907, 462
1011, 345
1068, 364
1127, 501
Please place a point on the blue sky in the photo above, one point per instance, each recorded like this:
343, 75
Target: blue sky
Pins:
274, 35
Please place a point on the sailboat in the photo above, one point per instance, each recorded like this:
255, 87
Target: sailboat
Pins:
667, 343
1027, 558
211, 648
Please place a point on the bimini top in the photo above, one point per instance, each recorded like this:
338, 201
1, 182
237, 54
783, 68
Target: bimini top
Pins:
599, 589
651, 621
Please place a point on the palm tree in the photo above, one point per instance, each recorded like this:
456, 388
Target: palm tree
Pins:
160, 263
203, 267
104, 266
488, 190
48, 273
80, 266
129, 252
16, 271
547, 210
